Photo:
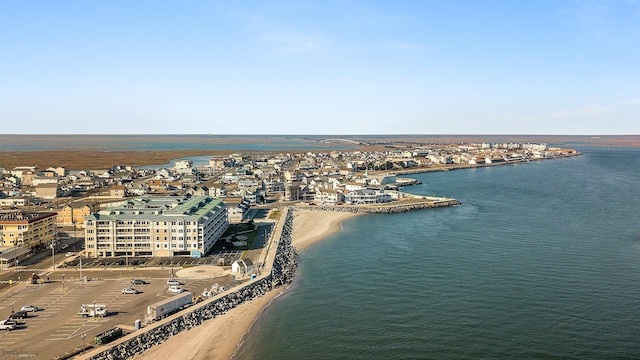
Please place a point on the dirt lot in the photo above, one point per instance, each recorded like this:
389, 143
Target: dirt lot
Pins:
58, 328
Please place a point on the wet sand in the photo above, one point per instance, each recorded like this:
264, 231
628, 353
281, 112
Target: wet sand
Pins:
218, 338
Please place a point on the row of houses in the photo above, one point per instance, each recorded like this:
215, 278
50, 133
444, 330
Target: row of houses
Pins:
244, 174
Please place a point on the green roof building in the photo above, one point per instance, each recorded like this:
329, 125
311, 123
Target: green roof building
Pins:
157, 226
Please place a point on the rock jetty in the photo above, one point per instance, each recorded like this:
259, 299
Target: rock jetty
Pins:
382, 208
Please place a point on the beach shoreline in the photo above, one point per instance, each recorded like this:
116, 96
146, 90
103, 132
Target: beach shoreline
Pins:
221, 337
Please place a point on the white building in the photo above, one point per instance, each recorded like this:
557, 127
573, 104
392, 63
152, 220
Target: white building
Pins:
367, 196
242, 266
183, 164
328, 197
157, 226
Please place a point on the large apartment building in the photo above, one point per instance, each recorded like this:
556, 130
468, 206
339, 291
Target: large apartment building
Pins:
157, 226
27, 229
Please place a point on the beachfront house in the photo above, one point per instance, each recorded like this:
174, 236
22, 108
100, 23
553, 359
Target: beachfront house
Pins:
328, 196
367, 196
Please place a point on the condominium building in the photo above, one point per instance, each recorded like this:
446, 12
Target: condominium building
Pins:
73, 214
27, 229
157, 226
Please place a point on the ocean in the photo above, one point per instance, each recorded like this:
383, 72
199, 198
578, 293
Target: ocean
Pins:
541, 261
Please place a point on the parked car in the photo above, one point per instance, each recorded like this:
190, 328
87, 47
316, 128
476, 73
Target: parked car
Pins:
174, 282
129, 291
137, 282
29, 308
19, 315
7, 325
70, 253
175, 289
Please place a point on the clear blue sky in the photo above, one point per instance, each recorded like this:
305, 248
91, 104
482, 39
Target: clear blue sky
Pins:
320, 67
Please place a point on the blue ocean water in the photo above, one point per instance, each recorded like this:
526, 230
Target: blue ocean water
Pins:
541, 261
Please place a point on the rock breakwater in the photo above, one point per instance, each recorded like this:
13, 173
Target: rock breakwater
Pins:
381, 208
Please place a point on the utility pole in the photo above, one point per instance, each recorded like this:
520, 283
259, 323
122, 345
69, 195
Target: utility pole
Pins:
75, 238
53, 255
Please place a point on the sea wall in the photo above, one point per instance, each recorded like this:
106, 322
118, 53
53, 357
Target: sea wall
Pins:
282, 272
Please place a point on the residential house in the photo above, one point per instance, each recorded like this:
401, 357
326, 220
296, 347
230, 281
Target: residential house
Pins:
47, 191
118, 191
367, 196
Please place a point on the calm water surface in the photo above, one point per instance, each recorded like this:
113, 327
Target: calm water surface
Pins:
542, 261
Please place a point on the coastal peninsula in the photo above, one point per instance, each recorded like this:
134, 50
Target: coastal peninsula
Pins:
320, 189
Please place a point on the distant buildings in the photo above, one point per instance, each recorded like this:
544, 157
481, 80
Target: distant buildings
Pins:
174, 213
157, 226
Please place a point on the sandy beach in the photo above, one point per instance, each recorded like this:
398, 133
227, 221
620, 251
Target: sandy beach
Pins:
218, 338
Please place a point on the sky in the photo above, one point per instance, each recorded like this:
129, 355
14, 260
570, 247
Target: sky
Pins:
320, 67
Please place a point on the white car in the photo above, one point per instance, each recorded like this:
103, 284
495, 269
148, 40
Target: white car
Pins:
129, 291
174, 282
175, 289
29, 308
69, 253
7, 325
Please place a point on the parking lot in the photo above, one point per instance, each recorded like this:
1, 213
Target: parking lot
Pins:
228, 256
58, 328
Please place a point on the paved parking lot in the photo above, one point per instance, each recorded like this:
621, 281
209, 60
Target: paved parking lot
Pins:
228, 255
58, 328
